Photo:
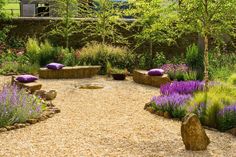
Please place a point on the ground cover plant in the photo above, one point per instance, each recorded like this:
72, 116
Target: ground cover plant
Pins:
17, 105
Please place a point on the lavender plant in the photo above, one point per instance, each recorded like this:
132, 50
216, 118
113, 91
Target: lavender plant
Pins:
182, 87
16, 105
227, 117
173, 103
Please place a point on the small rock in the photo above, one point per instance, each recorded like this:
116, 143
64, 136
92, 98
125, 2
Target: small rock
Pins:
12, 127
193, 134
150, 109
32, 121
232, 131
52, 94
27, 124
3, 129
57, 110
147, 105
19, 125
160, 113
42, 118
167, 115
50, 115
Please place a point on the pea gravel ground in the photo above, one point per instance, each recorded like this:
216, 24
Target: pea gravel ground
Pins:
105, 122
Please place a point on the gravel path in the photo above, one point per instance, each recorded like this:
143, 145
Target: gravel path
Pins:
105, 122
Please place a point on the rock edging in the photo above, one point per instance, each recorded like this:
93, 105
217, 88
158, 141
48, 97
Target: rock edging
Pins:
48, 113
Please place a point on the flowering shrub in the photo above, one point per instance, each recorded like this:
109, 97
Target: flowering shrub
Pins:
175, 68
227, 117
16, 105
173, 103
182, 87
176, 71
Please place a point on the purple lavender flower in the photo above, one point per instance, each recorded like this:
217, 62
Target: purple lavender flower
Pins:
227, 110
16, 105
174, 103
227, 117
182, 87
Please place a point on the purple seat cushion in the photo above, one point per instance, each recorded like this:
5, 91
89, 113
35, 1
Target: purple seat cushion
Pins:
156, 72
55, 66
26, 78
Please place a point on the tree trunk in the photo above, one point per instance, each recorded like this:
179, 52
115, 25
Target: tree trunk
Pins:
151, 53
67, 24
206, 62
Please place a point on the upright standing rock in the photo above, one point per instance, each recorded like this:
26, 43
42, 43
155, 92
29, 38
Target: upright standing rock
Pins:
193, 134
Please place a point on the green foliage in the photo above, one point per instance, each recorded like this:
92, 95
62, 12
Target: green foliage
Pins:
146, 61
208, 106
190, 75
221, 65
193, 57
107, 24
44, 53
67, 9
232, 79
14, 64
70, 58
98, 54
118, 71
33, 50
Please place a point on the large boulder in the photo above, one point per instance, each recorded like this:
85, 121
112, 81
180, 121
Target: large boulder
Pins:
193, 134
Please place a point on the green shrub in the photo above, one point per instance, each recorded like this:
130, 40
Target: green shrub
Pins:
9, 68
146, 61
33, 50
97, 54
232, 79
221, 66
190, 75
70, 58
44, 53
194, 59
47, 53
192, 56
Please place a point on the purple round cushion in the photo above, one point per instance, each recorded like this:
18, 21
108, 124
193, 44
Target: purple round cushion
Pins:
156, 72
55, 66
26, 78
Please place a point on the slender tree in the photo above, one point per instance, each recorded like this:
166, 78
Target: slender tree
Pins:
155, 22
210, 19
104, 20
67, 10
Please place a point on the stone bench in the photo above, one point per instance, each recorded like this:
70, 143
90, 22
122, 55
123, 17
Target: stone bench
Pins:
69, 72
141, 77
32, 86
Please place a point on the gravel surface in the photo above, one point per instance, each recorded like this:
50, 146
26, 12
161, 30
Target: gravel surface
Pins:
105, 122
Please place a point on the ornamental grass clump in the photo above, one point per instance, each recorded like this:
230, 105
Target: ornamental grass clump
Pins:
17, 106
208, 106
227, 118
174, 104
182, 87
